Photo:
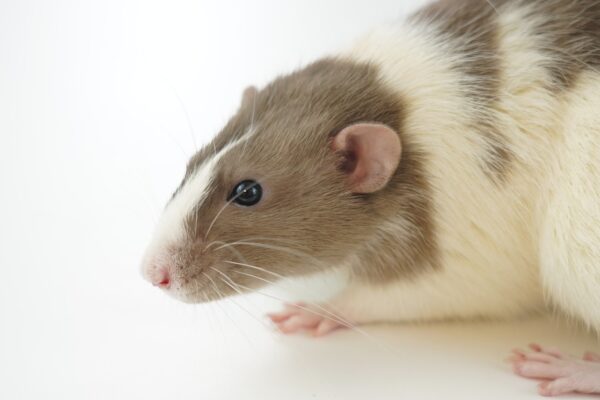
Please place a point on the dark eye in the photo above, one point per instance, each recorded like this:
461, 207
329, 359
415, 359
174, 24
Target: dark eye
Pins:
246, 193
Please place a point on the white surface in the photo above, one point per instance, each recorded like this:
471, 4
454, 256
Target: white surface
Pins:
93, 139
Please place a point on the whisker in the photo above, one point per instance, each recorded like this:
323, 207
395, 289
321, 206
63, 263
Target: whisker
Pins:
493, 6
257, 268
214, 242
281, 277
221, 297
238, 254
294, 252
235, 285
253, 111
265, 280
228, 202
209, 245
229, 282
214, 314
350, 326
331, 315
187, 118
336, 318
263, 238
234, 250
263, 323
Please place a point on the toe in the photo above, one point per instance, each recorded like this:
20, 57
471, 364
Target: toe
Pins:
557, 387
326, 326
589, 356
297, 323
278, 317
541, 357
553, 351
537, 370
543, 388
282, 316
290, 309
520, 355
299, 316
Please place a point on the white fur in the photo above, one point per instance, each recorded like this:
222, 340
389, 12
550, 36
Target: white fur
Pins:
488, 233
570, 247
170, 230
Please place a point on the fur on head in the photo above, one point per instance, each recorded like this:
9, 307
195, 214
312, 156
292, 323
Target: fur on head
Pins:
322, 146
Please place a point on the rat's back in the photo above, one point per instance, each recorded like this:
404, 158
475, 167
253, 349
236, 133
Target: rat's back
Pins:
502, 98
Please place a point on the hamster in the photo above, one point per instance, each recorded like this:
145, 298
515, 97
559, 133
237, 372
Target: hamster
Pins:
447, 164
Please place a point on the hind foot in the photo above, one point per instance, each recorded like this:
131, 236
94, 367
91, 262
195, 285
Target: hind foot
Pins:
314, 319
560, 373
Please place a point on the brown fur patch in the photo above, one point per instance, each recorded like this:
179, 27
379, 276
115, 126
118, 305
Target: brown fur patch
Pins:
307, 208
570, 30
470, 27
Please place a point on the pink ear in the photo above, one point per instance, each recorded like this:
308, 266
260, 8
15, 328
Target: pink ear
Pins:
372, 154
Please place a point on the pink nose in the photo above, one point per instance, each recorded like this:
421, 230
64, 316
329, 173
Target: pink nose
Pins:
161, 278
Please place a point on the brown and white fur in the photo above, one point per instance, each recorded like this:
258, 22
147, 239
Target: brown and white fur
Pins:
447, 165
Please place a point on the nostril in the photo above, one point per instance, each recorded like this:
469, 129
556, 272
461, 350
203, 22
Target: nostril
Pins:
162, 279
164, 283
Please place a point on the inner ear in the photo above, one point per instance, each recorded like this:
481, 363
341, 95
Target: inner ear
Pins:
370, 155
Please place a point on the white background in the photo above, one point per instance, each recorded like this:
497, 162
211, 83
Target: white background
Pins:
98, 101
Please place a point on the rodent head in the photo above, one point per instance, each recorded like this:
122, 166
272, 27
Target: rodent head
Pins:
287, 188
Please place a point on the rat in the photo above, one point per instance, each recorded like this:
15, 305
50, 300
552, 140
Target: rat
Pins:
445, 166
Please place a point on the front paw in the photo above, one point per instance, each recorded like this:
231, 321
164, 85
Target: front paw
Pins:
314, 319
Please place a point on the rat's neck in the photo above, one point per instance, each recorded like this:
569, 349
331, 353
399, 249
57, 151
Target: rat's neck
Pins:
434, 105
482, 151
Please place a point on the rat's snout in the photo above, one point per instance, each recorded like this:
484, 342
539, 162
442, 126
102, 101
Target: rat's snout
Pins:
161, 278
157, 273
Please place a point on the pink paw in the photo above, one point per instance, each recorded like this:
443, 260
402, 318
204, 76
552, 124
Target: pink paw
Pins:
299, 317
561, 373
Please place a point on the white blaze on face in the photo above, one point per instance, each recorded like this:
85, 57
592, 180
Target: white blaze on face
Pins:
171, 228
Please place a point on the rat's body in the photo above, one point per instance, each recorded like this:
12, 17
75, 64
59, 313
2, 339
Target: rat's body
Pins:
448, 164
509, 150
